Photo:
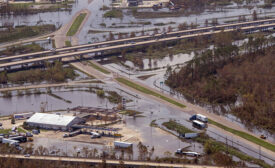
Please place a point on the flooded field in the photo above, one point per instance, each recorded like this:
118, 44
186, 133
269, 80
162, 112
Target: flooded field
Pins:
125, 24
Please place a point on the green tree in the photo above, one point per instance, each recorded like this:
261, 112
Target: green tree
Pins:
3, 77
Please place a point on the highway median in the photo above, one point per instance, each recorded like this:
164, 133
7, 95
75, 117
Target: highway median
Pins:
76, 24
245, 135
98, 68
149, 92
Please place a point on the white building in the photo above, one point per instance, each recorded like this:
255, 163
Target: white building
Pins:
52, 121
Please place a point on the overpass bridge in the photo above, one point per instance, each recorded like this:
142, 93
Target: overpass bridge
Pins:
138, 39
100, 161
101, 47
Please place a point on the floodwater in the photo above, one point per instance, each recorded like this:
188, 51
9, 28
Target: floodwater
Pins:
20, 104
124, 24
164, 62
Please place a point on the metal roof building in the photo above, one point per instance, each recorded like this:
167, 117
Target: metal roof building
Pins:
52, 121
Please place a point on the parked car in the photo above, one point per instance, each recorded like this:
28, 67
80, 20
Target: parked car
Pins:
35, 131
263, 136
28, 134
180, 151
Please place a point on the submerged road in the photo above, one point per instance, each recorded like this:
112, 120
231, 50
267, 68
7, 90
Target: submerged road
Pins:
109, 162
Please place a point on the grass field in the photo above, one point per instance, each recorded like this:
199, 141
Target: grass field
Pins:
130, 113
147, 91
246, 136
172, 125
68, 43
20, 32
75, 26
98, 68
115, 13
6, 131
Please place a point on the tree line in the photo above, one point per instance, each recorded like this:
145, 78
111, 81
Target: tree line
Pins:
226, 74
52, 73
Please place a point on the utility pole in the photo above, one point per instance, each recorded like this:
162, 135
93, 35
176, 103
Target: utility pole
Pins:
226, 145
260, 152
232, 141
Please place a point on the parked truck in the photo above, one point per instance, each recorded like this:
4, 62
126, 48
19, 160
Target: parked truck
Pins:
198, 124
119, 144
72, 134
95, 135
199, 117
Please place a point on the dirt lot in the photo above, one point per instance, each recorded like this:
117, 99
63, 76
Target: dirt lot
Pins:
129, 135
7, 123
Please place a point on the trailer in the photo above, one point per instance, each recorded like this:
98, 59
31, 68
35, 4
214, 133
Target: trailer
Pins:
198, 124
23, 116
10, 142
19, 138
194, 154
119, 144
189, 135
71, 134
199, 117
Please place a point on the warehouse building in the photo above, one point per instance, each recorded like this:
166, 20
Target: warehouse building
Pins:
53, 121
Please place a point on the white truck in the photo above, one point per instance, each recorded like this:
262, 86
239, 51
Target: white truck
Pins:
199, 117
198, 124
119, 144
95, 135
